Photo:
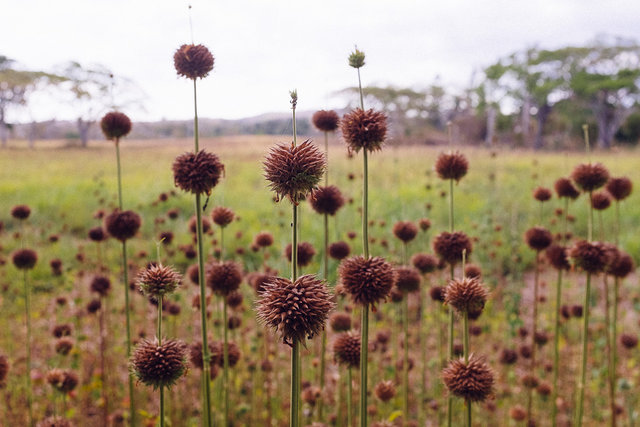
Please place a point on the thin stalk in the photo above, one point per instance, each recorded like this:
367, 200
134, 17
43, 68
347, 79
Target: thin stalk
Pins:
363, 365
349, 397
536, 279
423, 343
323, 350
195, 118
119, 174
465, 343
221, 243
614, 325
583, 367
27, 309
556, 350
103, 378
159, 344
405, 365
450, 352
360, 89
609, 345
326, 155
295, 380
125, 276
451, 206
365, 205
225, 355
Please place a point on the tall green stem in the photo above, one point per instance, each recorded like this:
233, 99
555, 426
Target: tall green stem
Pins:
450, 357
536, 279
225, 362
323, 349
405, 364
360, 89
465, 331
583, 366
363, 365
119, 174
196, 137
295, 381
125, 276
159, 344
27, 309
556, 350
326, 155
349, 397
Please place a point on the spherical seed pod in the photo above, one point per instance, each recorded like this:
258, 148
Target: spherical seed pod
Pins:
425, 263
294, 171
297, 310
619, 188
453, 165
450, 246
538, 238
576, 311
629, 341
263, 239
158, 280
224, 278
437, 293
4, 369
530, 381
466, 295
471, 381
62, 380
56, 266
385, 390
193, 224
197, 173
234, 299
600, 200
327, 200
592, 257
424, 224
222, 216
305, 253
100, 285
62, 330
159, 365
93, 306
346, 349
472, 271
508, 356
340, 322
590, 176
544, 389
339, 250
407, 279
97, 234
24, 259
115, 125
217, 353
20, 212
558, 257
367, 281
325, 121
64, 345
166, 237
406, 231
122, 225
310, 395
518, 413
364, 129
621, 265
542, 194
565, 189
54, 421
193, 61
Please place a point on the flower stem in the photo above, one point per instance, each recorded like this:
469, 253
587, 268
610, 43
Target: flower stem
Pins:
326, 155
363, 365
465, 343
27, 308
159, 344
119, 174
295, 381
323, 350
125, 279
196, 138
536, 279
349, 397
450, 352
360, 90
225, 356
583, 367
556, 350
405, 365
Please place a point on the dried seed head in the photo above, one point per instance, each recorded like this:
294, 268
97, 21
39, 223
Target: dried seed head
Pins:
471, 381
367, 281
158, 280
222, 216
542, 194
193, 61
339, 250
62, 330
327, 200
591, 257
600, 200
197, 173
24, 259
4, 369
590, 176
538, 238
55, 421
518, 413
263, 239
234, 299
62, 380
115, 125
224, 277
217, 353
122, 225
310, 395
565, 188
508, 356
356, 59
530, 381
294, 171
450, 246
100, 285
346, 349
159, 365
629, 341
453, 165
325, 121
405, 230
621, 265
576, 310
64, 345
295, 309
385, 390
425, 263
364, 129
466, 295
619, 188
558, 257
340, 321
305, 253
97, 234
93, 306
407, 279
259, 280
20, 212
437, 293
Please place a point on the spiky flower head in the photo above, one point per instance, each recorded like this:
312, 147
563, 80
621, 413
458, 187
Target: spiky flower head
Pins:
565, 188
621, 265
558, 257
297, 310
450, 246
115, 125
629, 341
538, 238
158, 280
24, 259
64, 345
592, 257
407, 279
453, 165
364, 129
346, 349
356, 59
294, 171
385, 390
193, 61
217, 353
542, 194
263, 239
62, 380
426, 263
405, 230
100, 285
340, 321
471, 381
20, 212
466, 295
224, 277
367, 281
97, 234
600, 200
325, 121
327, 200
222, 216
590, 176
305, 253
619, 188
339, 250
159, 365
197, 173
55, 421
122, 225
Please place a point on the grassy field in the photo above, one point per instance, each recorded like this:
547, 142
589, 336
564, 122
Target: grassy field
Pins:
66, 187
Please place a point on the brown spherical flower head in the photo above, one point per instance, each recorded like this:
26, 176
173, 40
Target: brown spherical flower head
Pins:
346, 349
263, 239
629, 341
55, 421
294, 171
508, 356
197, 173
100, 285
621, 265
619, 188
234, 299
591, 257
466, 295
453, 165
296, 310
325, 121
565, 188
558, 257
405, 230
367, 281
159, 365
158, 280
193, 61
538, 238
339, 250
450, 246
364, 129
340, 321
425, 263
407, 279
62, 380
600, 200
217, 353
385, 390
590, 176
115, 125
20, 212
222, 216
97, 234
437, 293
305, 253
122, 225
472, 271
24, 259
327, 200
542, 194
64, 345
4, 369
471, 381
224, 277
62, 330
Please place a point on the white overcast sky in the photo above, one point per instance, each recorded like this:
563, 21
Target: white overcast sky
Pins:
264, 48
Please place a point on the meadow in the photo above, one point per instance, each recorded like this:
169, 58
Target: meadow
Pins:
69, 190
